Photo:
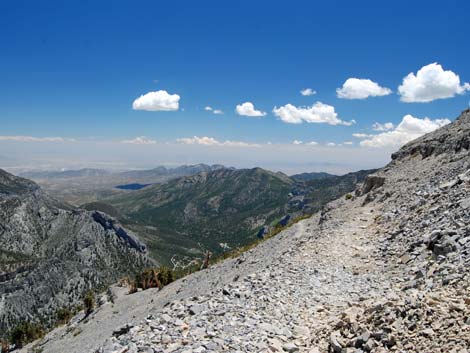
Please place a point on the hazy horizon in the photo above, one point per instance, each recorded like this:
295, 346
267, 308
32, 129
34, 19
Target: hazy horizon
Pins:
289, 159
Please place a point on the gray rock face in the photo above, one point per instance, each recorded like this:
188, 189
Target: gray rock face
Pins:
10, 184
50, 253
452, 138
372, 182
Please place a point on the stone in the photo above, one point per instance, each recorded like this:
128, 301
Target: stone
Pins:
405, 259
335, 344
370, 345
301, 331
428, 332
196, 309
165, 318
442, 249
449, 184
290, 347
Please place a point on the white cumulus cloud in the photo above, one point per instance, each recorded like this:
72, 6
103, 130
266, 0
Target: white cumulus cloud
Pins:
297, 142
409, 129
210, 141
140, 140
382, 127
331, 144
431, 82
308, 92
349, 143
157, 101
248, 109
359, 88
317, 113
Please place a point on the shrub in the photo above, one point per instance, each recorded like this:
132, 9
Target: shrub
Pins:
165, 276
25, 332
132, 287
4, 347
149, 279
64, 315
89, 302
348, 196
152, 278
124, 282
206, 260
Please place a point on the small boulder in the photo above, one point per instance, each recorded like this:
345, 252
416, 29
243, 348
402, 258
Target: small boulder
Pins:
290, 347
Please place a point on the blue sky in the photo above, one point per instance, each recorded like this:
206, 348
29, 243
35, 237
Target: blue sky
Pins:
72, 69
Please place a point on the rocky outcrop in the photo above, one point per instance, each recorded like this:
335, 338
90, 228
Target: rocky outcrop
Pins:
109, 223
452, 138
372, 182
12, 185
51, 253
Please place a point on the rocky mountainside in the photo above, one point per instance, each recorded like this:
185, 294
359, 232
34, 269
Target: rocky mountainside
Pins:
51, 253
325, 189
384, 271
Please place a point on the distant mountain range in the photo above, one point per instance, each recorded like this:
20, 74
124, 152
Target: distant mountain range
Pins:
170, 172
65, 174
131, 174
91, 185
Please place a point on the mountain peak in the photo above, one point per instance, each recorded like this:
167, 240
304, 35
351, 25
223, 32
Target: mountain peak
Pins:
451, 138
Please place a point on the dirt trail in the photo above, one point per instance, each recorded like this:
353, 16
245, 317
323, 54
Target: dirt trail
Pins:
332, 269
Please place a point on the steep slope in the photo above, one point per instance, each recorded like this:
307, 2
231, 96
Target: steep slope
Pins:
323, 190
387, 270
50, 253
